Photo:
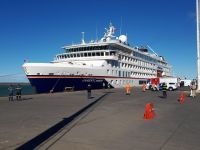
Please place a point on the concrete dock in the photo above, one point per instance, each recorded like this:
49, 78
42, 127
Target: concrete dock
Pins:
110, 120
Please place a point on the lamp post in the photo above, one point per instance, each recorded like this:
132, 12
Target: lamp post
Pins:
198, 44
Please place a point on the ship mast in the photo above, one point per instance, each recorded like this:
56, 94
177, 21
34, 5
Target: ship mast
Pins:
198, 44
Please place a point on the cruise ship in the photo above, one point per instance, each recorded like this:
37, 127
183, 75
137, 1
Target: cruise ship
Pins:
108, 63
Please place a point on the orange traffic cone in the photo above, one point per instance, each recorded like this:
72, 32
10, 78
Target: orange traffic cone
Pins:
149, 111
182, 98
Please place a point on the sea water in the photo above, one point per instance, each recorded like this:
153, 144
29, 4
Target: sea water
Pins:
26, 89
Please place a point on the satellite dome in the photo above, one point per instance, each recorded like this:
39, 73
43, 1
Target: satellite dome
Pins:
123, 38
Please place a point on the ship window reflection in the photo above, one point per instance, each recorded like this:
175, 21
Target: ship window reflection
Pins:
119, 73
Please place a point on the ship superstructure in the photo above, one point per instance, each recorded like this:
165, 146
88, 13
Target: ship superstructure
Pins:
108, 63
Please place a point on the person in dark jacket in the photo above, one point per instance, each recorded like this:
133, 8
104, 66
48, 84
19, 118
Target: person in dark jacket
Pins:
89, 89
18, 92
164, 90
11, 92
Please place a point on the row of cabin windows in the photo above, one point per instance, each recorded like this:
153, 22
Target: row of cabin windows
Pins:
127, 74
79, 49
63, 56
136, 54
124, 65
139, 62
145, 57
166, 69
162, 63
123, 82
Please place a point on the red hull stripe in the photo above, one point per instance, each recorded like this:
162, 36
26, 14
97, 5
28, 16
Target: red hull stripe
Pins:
62, 76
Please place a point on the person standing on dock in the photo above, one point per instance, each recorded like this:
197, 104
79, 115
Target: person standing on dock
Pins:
193, 89
144, 87
18, 92
11, 91
128, 89
164, 90
104, 85
89, 90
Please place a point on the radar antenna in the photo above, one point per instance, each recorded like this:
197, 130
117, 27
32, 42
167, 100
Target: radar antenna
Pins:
109, 34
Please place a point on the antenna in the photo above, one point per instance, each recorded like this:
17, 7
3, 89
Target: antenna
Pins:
96, 33
121, 26
83, 41
152, 50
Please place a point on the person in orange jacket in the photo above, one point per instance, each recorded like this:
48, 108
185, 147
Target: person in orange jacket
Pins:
128, 89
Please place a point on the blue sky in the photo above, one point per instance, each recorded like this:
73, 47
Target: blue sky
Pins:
36, 30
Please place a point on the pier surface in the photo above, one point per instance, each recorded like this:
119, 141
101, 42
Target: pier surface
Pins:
110, 120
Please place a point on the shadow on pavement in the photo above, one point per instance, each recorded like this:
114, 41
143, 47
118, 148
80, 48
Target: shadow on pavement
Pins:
39, 139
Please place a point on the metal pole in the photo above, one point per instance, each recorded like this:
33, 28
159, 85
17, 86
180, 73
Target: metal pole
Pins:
198, 45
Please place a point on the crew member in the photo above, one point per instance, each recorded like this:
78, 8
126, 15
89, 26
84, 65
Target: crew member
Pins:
128, 89
164, 90
18, 92
144, 87
89, 89
11, 91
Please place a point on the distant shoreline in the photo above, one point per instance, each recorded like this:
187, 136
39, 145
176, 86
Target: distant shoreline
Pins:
14, 83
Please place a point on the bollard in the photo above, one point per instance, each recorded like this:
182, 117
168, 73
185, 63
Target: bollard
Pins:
149, 111
182, 98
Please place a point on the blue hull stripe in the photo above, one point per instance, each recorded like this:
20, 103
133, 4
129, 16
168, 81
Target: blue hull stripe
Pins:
45, 85
57, 83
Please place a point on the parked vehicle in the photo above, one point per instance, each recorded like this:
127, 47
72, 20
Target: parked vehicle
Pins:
170, 86
185, 82
156, 83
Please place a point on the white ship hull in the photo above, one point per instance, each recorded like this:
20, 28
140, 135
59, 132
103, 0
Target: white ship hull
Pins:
46, 77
